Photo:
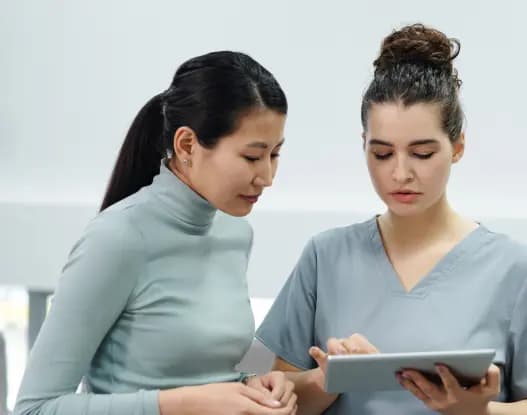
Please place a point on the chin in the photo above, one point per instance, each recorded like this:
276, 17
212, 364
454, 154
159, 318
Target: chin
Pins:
405, 211
237, 211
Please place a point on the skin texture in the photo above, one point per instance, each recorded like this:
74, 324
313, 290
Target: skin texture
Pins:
409, 159
241, 165
231, 176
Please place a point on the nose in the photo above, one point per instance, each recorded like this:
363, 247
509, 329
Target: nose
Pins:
264, 176
402, 172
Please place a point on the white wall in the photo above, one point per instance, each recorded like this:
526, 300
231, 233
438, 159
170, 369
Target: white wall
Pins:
73, 74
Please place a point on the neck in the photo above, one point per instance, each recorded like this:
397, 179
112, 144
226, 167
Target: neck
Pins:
174, 166
439, 222
182, 203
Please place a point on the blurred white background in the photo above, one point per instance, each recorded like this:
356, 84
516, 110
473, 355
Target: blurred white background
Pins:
73, 74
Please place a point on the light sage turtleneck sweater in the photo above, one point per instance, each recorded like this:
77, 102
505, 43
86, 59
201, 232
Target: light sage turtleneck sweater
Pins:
153, 296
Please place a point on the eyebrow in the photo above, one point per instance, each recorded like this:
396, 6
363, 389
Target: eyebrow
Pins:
413, 143
261, 144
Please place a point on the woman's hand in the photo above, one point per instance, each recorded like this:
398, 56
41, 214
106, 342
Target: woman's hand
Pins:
450, 398
279, 387
232, 398
355, 344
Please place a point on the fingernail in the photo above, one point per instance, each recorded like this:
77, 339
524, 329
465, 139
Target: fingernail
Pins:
341, 350
440, 368
274, 403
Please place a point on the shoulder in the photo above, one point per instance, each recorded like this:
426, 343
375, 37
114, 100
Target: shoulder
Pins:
352, 236
112, 231
332, 246
107, 258
506, 257
507, 249
130, 210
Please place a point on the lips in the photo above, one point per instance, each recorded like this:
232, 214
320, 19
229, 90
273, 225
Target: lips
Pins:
251, 198
405, 196
406, 191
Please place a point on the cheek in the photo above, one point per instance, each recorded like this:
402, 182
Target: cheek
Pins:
224, 175
436, 173
379, 173
275, 167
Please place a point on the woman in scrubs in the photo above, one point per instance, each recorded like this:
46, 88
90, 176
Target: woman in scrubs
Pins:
419, 277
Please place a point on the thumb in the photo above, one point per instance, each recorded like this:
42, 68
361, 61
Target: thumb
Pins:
320, 356
261, 397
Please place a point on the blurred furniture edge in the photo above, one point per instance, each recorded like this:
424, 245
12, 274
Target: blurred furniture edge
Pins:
3, 376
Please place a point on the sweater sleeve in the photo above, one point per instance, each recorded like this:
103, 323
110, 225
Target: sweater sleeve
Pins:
518, 346
96, 283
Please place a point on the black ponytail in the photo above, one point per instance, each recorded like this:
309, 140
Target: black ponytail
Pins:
140, 155
208, 93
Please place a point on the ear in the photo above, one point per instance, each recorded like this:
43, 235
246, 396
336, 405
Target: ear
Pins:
185, 140
459, 148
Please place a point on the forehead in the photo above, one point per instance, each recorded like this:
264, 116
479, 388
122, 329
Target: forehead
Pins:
399, 124
264, 126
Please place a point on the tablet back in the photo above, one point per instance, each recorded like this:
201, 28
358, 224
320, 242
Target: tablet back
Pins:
375, 372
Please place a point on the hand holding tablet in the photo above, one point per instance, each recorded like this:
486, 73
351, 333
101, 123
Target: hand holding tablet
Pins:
376, 372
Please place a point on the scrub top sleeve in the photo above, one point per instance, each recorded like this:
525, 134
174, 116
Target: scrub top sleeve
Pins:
518, 343
288, 328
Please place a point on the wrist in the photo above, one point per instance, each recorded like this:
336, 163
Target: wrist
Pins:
482, 411
314, 391
485, 410
171, 401
317, 378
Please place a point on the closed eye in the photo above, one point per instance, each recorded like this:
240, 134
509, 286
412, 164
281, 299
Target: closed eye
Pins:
382, 156
254, 159
424, 156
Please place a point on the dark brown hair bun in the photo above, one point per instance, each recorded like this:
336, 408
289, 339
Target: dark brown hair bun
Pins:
420, 45
415, 65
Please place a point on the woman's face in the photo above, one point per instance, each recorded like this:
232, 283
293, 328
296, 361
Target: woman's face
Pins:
233, 174
409, 156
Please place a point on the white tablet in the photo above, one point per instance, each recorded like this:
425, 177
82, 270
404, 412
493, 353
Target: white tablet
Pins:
377, 372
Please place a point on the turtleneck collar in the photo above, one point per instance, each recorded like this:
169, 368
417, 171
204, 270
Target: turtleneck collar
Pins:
184, 203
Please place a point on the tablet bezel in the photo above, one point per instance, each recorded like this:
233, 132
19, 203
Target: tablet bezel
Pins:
376, 372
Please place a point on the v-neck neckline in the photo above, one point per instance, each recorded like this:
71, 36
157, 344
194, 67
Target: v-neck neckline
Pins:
441, 269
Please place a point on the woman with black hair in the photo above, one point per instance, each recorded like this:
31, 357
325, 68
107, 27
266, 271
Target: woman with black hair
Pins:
152, 308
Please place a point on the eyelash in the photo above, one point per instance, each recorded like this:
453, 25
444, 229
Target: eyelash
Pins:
254, 159
419, 156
